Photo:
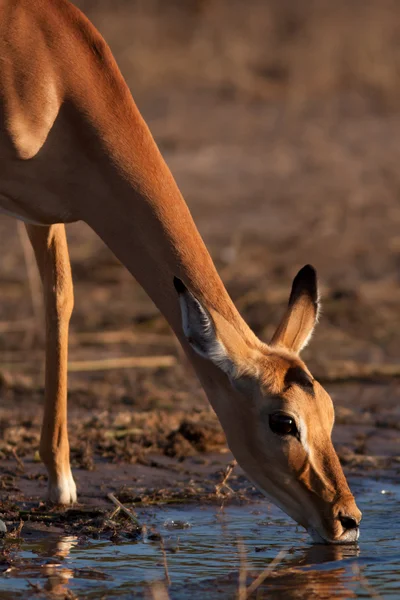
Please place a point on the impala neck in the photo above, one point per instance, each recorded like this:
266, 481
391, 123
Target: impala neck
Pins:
127, 193
143, 219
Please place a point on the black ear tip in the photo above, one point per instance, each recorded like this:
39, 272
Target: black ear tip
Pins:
308, 271
306, 277
305, 282
179, 285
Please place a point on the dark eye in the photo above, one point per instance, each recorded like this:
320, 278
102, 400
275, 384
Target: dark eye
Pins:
282, 424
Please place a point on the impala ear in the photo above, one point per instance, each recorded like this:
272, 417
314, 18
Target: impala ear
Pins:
199, 329
297, 325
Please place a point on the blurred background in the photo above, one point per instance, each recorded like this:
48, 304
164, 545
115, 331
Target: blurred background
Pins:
280, 120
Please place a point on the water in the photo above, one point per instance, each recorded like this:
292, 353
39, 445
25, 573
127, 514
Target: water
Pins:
203, 550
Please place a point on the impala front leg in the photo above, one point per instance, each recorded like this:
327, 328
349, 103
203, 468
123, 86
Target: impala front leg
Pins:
51, 251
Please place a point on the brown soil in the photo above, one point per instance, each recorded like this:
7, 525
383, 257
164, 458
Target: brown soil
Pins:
285, 144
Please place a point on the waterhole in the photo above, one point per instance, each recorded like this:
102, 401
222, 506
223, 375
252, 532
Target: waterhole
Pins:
209, 552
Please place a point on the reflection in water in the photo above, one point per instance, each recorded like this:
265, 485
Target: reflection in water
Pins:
313, 572
203, 559
57, 576
57, 547
294, 581
58, 579
311, 584
319, 554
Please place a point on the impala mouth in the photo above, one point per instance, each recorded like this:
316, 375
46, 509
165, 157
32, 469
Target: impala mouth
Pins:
348, 537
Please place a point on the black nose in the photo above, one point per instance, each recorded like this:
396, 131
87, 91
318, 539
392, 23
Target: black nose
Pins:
348, 522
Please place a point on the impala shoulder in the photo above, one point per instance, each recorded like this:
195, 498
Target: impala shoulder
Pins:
30, 88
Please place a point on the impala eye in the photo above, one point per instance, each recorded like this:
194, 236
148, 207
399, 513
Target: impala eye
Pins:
282, 424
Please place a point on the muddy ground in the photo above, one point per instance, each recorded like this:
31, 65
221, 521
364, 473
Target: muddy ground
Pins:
285, 140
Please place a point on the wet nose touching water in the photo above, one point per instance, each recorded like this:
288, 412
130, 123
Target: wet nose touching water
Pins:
199, 551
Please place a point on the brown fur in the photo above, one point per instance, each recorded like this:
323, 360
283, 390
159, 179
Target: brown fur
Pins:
74, 146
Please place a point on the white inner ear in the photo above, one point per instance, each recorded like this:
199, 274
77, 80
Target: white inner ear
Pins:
201, 335
311, 333
306, 340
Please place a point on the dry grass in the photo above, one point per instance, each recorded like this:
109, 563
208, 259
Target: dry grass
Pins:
125, 510
222, 489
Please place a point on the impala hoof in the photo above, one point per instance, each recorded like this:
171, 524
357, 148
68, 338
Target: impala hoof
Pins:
62, 491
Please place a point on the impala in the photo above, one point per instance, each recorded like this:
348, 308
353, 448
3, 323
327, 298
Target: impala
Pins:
73, 146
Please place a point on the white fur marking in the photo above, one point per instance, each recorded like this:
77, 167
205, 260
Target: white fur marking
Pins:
304, 436
62, 490
203, 329
317, 316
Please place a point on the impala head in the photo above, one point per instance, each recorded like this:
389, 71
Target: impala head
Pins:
277, 418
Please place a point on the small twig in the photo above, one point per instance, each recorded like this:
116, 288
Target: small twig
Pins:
16, 534
124, 362
266, 573
19, 461
19, 528
242, 571
115, 513
227, 473
35, 587
128, 512
167, 577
